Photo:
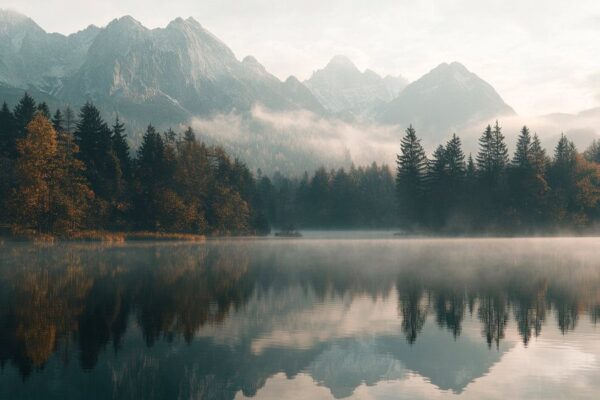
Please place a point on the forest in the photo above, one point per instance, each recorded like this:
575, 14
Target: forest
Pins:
68, 172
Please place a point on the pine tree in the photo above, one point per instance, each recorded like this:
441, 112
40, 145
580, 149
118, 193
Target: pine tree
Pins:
94, 138
70, 120
57, 121
562, 179
7, 132
44, 110
485, 156
24, 112
436, 187
523, 179
471, 171
455, 159
410, 175
152, 176
121, 147
592, 153
522, 157
500, 151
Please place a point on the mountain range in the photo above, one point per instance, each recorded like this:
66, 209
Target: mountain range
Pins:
182, 72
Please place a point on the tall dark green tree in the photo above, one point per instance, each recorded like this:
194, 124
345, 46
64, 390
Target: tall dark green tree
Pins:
121, 147
7, 132
411, 165
58, 121
94, 138
44, 110
24, 112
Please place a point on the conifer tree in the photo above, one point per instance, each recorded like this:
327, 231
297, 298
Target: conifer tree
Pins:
23, 113
500, 151
485, 156
70, 120
44, 110
58, 121
592, 153
410, 175
94, 138
522, 157
7, 132
121, 147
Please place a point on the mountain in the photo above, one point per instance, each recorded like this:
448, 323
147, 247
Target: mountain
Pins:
30, 57
342, 87
445, 99
164, 75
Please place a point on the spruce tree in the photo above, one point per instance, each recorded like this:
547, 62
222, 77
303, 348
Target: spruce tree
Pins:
94, 138
23, 113
58, 121
455, 159
485, 156
592, 153
44, 110
121, 147
411, 165
500, 150
70, 120
522, 157
7, 132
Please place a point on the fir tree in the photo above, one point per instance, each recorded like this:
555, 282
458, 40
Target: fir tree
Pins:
592, 153
522, 157
94, 138
410, 174
23, 113
121, 147
7, 132
485, 156
44, 110
58, 121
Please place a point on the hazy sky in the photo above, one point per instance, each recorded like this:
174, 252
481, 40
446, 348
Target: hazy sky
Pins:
541, 56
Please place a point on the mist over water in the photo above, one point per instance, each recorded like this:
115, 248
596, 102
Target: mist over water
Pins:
331, 315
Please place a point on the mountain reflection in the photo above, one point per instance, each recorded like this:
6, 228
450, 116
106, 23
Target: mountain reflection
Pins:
253, 309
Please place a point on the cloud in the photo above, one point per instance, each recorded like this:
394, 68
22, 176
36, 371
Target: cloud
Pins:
295, 141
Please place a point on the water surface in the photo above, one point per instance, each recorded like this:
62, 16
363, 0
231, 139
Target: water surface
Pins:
364, 316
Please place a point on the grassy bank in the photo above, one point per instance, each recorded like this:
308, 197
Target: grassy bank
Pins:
26, 235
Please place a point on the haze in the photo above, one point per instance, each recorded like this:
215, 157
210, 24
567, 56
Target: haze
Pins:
540, 55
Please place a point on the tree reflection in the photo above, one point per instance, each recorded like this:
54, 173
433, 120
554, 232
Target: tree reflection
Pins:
86, 298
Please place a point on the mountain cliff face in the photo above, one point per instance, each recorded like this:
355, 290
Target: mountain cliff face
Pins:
146, 75
341, 87
446, 98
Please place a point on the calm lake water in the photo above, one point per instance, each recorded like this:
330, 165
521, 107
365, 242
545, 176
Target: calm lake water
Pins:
364, 316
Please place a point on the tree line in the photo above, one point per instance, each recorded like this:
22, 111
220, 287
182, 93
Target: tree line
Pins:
66, 173
530, 192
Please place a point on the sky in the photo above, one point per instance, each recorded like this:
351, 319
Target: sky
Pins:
541, 55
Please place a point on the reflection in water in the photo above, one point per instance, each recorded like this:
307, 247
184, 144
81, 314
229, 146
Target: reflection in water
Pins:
222, 319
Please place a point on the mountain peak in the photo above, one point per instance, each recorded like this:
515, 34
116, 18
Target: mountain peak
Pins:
252, 63
10, 19
451, 93
125, 22
341, 62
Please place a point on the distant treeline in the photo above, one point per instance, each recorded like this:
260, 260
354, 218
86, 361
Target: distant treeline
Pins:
64, 173
530, 192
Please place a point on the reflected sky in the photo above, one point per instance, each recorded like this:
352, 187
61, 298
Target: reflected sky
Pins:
320, 317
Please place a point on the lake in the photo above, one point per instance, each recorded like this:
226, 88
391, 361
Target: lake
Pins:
326, 316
